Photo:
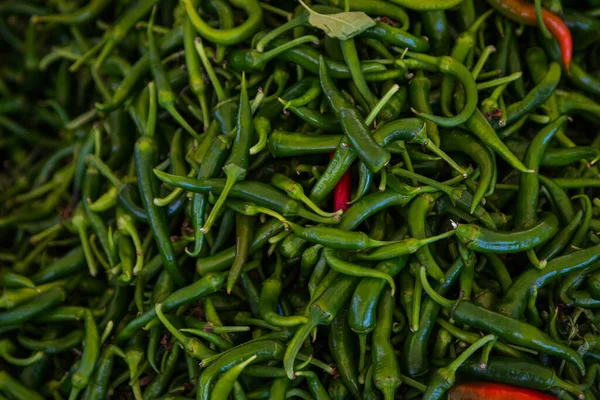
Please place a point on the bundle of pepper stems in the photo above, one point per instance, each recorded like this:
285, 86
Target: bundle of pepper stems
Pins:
342, 199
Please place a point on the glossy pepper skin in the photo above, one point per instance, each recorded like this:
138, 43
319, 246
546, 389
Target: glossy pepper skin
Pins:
494, 391
221, 202
511, 330
524, 13
146, 155
484, 240
386, 368
523, 373
373, 155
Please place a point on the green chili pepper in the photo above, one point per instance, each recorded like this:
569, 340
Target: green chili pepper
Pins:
202, 287
34, 307
537, 96
454, 68
444, 378
262, 350
471, 338
355, 130
98, 386
435, 27
243, 227
53, 346
410, 130
386, 369
91, 352
562, 238
10, 279
159, 384
341, 345
416, 361
484, 240
530, 374
16, 389
321, 312
225, 384
529, 184
513, 331
267, 303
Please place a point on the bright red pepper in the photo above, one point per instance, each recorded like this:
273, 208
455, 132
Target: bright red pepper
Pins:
524, 13
494, 391
341, 194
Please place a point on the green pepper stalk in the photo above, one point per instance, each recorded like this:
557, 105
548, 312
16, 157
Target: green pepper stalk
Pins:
166, 97
321, 312
262, 127
236, 165
294, 190
465, 42
444, 378
7, 348
126, 225
231, 36
192, 62
347, 268
192, 346
402, 247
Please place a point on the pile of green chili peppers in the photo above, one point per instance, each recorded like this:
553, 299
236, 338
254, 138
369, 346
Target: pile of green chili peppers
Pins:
327, 199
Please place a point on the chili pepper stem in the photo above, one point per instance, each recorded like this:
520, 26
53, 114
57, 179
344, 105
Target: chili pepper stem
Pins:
262, 58
539, 264
295, 345
233, 174
212, 76
453, 193
499, 82
381, 104
362, 350
431, 292
22, 362
464, 356
262, 43
416, 311
438, 152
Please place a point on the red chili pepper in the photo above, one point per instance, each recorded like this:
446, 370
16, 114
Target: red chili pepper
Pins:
494, 391
524, 13
341, 194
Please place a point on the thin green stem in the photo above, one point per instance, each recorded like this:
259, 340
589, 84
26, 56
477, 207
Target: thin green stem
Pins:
380, 104
435, 296
216, 84
499, 81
